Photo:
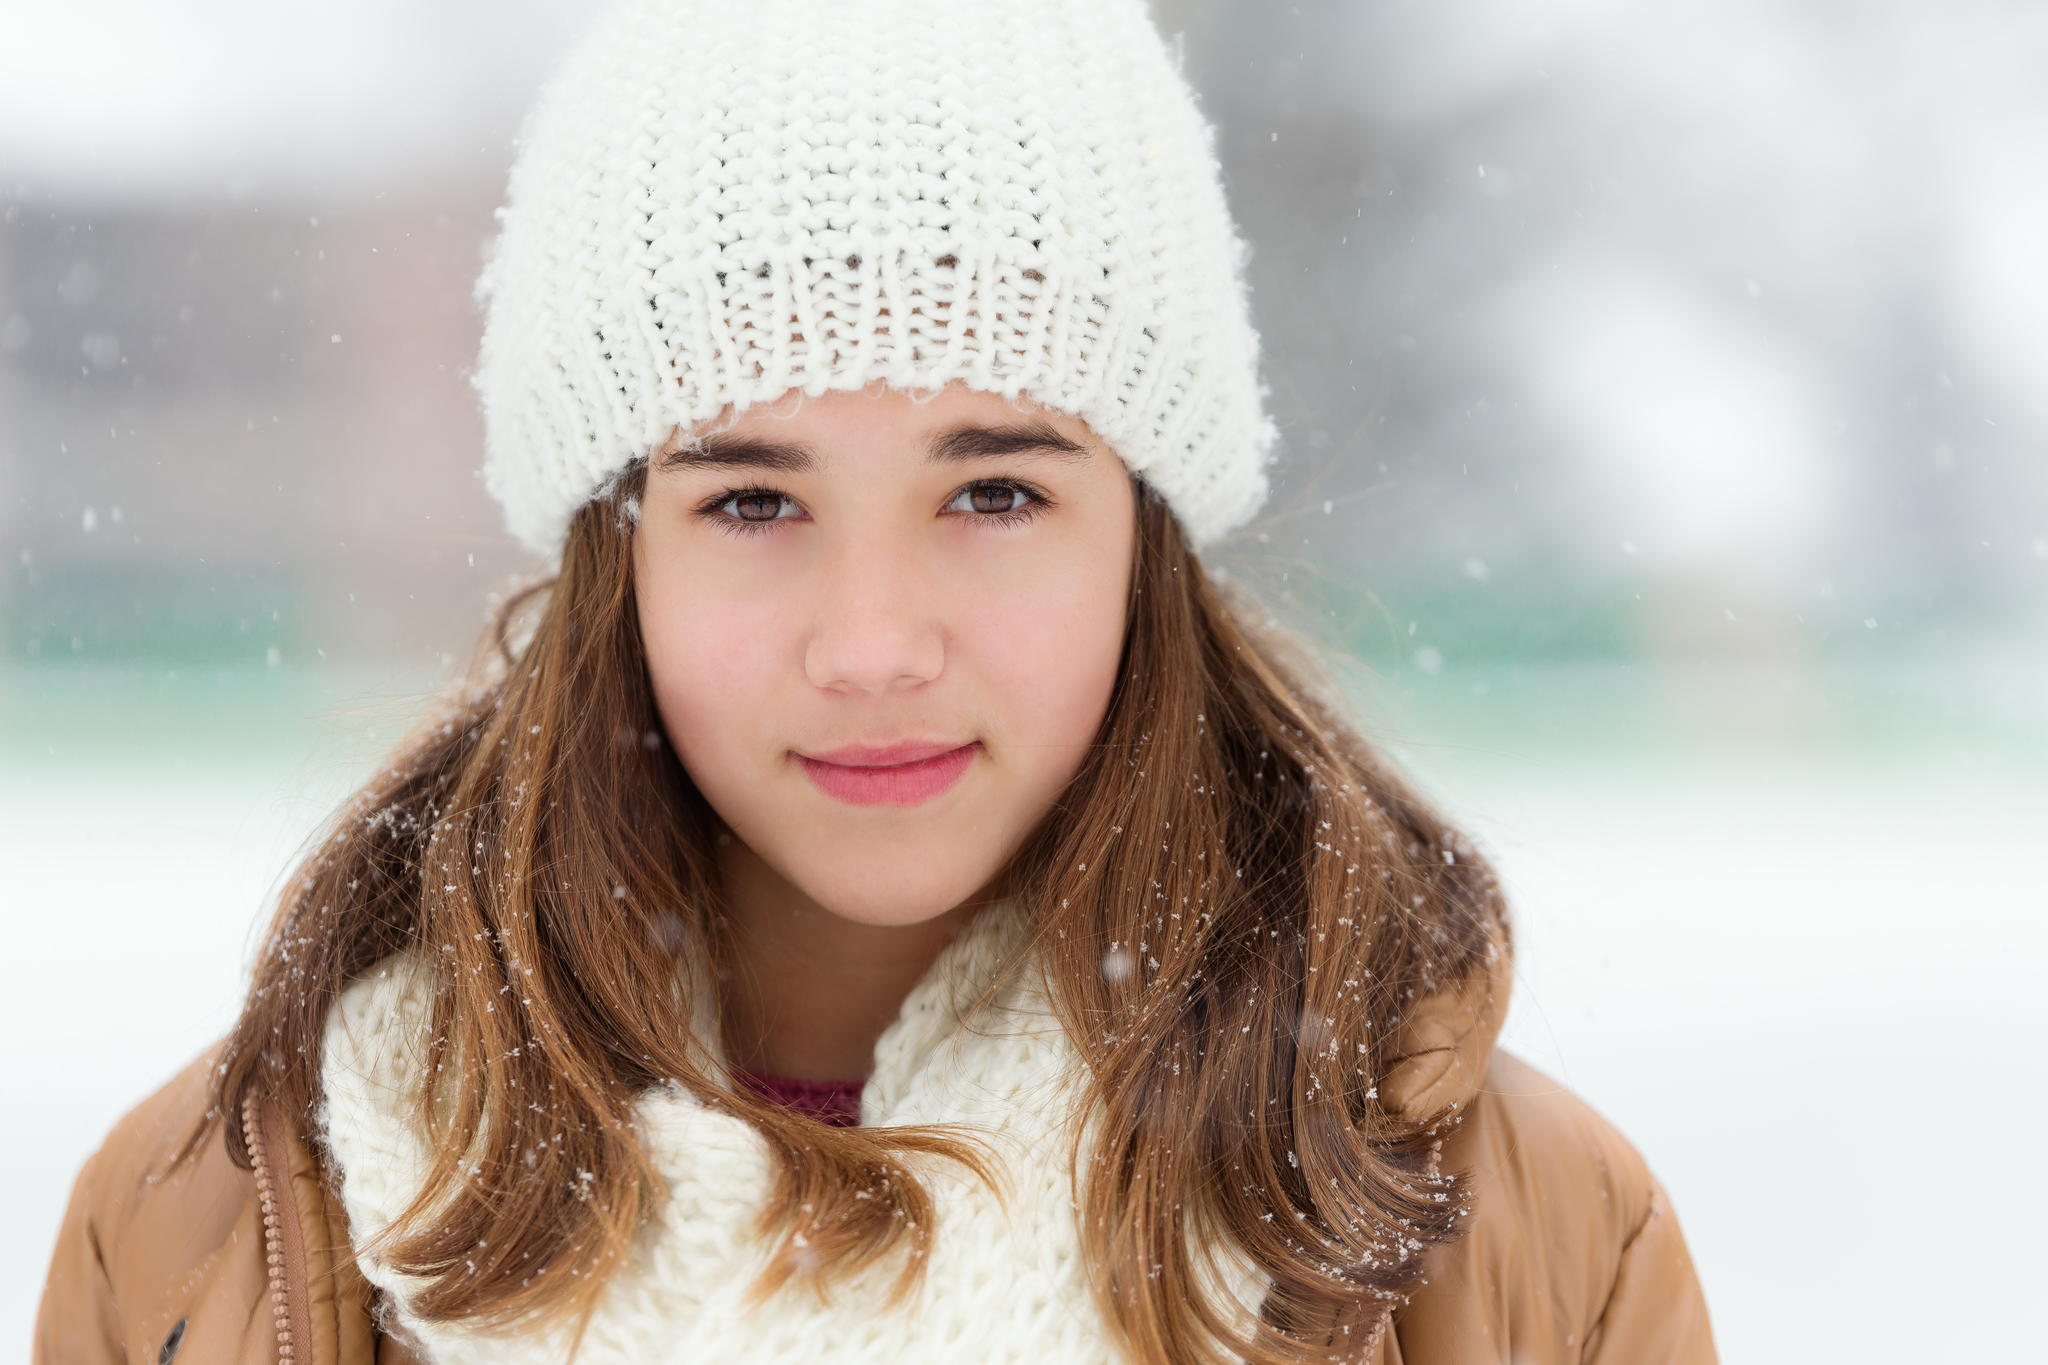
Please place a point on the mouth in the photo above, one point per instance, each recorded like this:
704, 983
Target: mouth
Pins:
904, 775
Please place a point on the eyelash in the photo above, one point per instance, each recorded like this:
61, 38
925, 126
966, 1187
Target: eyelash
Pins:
741, 526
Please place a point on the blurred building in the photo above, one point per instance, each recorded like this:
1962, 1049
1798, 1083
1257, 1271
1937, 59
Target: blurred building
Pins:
1596, 331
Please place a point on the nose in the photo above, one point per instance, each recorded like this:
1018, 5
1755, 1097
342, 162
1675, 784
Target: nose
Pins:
875, 622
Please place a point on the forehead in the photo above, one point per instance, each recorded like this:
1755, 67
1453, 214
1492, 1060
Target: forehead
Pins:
799, 433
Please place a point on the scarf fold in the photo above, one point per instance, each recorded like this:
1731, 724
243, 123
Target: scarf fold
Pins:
999, 1287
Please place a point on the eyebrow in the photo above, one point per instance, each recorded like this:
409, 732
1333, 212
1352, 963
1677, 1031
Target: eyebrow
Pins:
958, 444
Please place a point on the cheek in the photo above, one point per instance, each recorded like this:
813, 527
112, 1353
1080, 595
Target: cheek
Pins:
708, 664
1052, 658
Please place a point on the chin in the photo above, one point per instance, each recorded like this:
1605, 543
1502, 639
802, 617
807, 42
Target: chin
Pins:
880, 896
896, 910
894, 916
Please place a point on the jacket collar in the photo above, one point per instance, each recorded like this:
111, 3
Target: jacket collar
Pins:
1445, 1042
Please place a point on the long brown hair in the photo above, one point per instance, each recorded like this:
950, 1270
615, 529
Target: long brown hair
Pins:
1273, 895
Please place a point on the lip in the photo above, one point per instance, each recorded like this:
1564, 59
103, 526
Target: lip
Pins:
877, 756
905, 774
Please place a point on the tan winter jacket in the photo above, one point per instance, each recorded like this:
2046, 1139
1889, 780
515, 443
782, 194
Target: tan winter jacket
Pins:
1572, 1252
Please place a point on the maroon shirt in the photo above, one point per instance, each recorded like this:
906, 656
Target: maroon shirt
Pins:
833, 1102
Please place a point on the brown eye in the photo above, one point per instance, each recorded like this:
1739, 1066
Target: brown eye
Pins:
989, 502
755, 511
740, 521
991, 497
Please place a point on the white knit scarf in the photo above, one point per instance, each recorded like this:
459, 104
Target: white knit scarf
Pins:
998, 1288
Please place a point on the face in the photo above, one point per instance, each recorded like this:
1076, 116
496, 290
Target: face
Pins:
831, 578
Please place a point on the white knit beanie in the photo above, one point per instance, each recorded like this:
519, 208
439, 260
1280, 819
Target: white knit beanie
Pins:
717, 201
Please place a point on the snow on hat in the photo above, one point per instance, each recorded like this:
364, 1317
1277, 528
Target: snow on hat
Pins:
714, 203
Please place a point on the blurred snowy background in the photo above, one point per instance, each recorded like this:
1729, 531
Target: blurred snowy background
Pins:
1666, 391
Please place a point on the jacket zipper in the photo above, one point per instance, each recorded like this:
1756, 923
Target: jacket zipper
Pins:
283, 1253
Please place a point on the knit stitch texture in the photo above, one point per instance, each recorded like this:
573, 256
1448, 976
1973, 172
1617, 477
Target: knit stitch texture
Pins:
1000, 1287
715, 203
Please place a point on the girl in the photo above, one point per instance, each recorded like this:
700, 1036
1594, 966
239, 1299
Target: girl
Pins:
888, 903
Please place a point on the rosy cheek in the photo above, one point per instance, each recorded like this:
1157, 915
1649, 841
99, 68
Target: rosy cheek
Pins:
1048, 651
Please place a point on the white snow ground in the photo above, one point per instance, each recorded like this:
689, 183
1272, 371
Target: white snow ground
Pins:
1808, 990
